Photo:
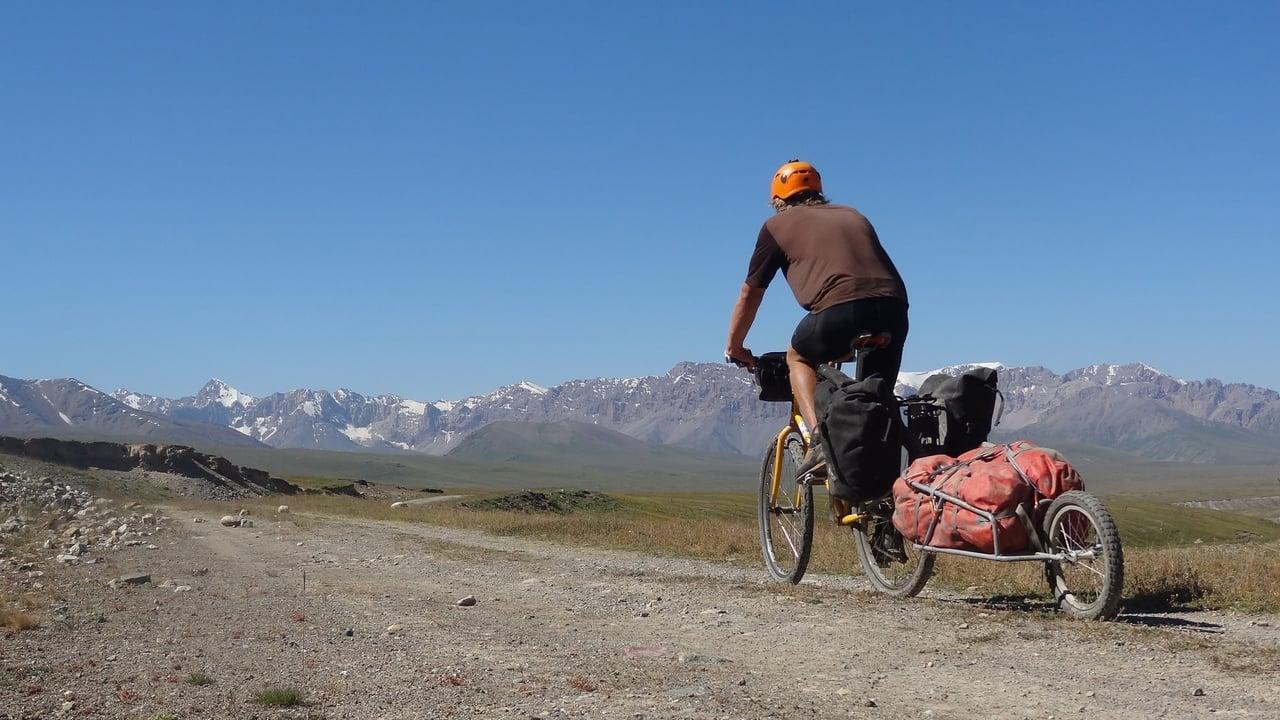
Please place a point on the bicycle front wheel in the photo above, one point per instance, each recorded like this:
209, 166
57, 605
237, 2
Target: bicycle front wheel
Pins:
891, 565
785, 511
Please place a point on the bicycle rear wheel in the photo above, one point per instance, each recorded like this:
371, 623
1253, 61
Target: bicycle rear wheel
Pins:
785, 517
1089, 582
890, 564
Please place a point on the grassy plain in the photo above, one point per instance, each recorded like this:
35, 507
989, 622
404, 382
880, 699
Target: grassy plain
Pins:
1235, 564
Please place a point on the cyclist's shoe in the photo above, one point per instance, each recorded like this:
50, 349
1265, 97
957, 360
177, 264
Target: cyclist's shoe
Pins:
887, 545
838, 508
814, 464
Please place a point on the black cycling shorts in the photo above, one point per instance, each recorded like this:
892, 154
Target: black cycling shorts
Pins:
828, 336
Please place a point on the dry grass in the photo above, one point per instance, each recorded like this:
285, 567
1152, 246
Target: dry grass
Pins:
722, 527
582, 684
14, 621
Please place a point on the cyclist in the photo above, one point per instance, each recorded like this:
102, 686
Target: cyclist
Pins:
839, 272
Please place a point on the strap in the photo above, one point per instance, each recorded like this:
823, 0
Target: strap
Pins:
1013, 460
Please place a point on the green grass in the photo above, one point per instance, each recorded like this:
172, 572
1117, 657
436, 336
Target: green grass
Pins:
314, 482
279, 697
199, 679
1145, 523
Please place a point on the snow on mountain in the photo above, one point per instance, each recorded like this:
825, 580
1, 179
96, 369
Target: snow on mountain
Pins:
57, 407
223, 394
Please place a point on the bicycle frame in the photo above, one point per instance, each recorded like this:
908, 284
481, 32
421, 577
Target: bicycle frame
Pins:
780, 446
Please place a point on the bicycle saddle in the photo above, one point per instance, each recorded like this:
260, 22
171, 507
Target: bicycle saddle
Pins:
872, 341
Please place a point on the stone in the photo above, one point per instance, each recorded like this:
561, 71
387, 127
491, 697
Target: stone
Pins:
230, 521
246, 523
283, 509
182, 588
400, 504
1199, 692
395, 628
134, 579
467, 601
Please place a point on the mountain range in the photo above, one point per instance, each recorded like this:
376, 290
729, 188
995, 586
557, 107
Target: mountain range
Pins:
705, 407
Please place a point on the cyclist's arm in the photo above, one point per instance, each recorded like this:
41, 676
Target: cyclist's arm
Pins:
740, 320
766, 260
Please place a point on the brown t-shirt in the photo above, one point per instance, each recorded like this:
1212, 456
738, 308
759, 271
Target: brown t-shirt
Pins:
829, 254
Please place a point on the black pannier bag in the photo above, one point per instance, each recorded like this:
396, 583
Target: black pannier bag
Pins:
967, 405
860, 434
774, 377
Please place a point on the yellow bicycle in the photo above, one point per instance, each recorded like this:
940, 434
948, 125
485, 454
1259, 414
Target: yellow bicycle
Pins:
785, 505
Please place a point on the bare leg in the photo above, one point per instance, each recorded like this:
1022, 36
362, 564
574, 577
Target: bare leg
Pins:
803, 382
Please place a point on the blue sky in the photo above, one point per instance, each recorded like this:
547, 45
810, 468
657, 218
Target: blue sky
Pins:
434, 200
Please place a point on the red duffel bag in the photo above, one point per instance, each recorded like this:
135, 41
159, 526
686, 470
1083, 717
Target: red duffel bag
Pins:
987, 479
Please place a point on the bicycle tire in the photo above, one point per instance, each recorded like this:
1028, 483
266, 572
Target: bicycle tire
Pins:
904, 585
798, 543
1063, 534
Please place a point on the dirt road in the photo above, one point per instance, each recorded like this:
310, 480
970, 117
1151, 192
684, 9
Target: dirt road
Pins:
580, 633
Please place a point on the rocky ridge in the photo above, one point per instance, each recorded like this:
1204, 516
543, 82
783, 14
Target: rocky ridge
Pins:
229, 479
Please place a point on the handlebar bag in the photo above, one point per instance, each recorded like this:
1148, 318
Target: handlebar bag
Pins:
774, 377
860, 435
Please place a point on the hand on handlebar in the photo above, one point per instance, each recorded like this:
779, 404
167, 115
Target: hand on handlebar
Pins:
740, 356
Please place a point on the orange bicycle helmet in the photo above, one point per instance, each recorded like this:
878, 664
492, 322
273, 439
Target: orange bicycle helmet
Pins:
795, 177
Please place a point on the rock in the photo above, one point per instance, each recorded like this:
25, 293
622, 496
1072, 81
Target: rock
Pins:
246, 523
870, 703
1199, 692
230, 521
646, 651
350, 632
67, 559
243, 512
964, 626
197, 520
134, 579
400, 504
182, 588
687, 692
467, 601
283, 509
393, 629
